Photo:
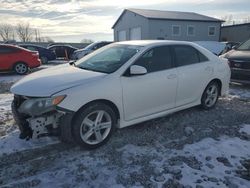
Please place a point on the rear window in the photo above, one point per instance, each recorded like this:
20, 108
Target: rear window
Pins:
7, 50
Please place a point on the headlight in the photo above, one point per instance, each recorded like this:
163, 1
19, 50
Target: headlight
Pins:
39, 106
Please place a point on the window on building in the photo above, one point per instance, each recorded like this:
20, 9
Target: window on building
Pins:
176, 30
211, 31
190, 30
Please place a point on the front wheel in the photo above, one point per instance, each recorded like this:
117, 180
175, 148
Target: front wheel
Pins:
210, 96
94, 125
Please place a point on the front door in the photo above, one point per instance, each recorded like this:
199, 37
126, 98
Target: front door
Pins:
153, 92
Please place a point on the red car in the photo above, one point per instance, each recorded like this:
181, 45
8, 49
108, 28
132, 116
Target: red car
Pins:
17, 59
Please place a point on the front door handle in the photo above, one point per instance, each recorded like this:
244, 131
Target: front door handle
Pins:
171, 76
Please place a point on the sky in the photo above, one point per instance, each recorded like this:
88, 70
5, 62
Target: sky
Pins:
74, 20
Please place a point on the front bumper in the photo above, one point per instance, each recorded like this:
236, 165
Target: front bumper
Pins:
22, 123
47, 124
240, 75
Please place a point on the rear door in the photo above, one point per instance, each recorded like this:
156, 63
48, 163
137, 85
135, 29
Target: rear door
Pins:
194, 71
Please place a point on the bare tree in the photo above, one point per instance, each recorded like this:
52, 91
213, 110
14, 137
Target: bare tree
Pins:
228, 19
7, 32
24, 32
37, 36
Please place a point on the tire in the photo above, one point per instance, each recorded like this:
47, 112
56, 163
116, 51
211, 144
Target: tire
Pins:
44, 60
94, 125
210, 95
21, 68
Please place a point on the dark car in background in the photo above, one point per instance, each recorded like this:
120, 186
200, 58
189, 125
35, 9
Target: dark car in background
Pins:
78, 54
63, 51
44, 54
239, 60
229, 46
17, 59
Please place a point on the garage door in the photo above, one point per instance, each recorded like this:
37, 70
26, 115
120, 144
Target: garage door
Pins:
135, 33
121, 35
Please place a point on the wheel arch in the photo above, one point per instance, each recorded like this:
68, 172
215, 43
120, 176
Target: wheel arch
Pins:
14, 64
103, 101
219, 82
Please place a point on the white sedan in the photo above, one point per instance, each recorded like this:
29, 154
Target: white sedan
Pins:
116, 86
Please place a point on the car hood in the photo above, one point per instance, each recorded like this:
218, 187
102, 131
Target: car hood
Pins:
238, 55
52, 80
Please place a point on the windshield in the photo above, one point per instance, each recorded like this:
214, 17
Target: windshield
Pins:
90, 46
108, 59
244, 46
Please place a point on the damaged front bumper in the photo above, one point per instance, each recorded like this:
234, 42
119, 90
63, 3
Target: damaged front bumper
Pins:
45, 124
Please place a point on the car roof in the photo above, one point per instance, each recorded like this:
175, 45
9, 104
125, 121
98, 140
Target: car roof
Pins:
32, 45
61, 45
152, 42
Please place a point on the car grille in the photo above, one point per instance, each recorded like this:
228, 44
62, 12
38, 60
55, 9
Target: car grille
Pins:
240, 64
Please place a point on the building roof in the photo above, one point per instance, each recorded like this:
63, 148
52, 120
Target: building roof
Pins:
170, 15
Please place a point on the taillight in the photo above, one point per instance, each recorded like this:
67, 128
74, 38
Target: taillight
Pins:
35, 54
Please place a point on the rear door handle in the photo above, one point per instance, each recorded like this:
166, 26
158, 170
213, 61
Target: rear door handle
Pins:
171, 76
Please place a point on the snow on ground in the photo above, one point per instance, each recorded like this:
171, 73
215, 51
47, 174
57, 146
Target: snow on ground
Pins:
6, 119
242, 92
9, 78
11, 143
207, 163
245, 129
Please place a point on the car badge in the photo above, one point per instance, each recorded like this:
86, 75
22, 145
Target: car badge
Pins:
237, 65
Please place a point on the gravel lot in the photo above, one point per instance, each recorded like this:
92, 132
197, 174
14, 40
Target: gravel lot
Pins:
191, 148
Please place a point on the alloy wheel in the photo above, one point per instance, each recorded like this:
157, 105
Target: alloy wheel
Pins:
95, 127
21, 68
211, 95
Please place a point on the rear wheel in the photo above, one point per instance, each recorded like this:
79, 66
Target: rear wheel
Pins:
94, 125
21, 68
210, 96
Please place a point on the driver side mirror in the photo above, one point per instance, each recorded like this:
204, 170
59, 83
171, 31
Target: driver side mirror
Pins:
137, 70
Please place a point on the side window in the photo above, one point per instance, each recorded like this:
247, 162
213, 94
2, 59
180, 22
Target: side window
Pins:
186, 55
31, 48
156, 59
202, 57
